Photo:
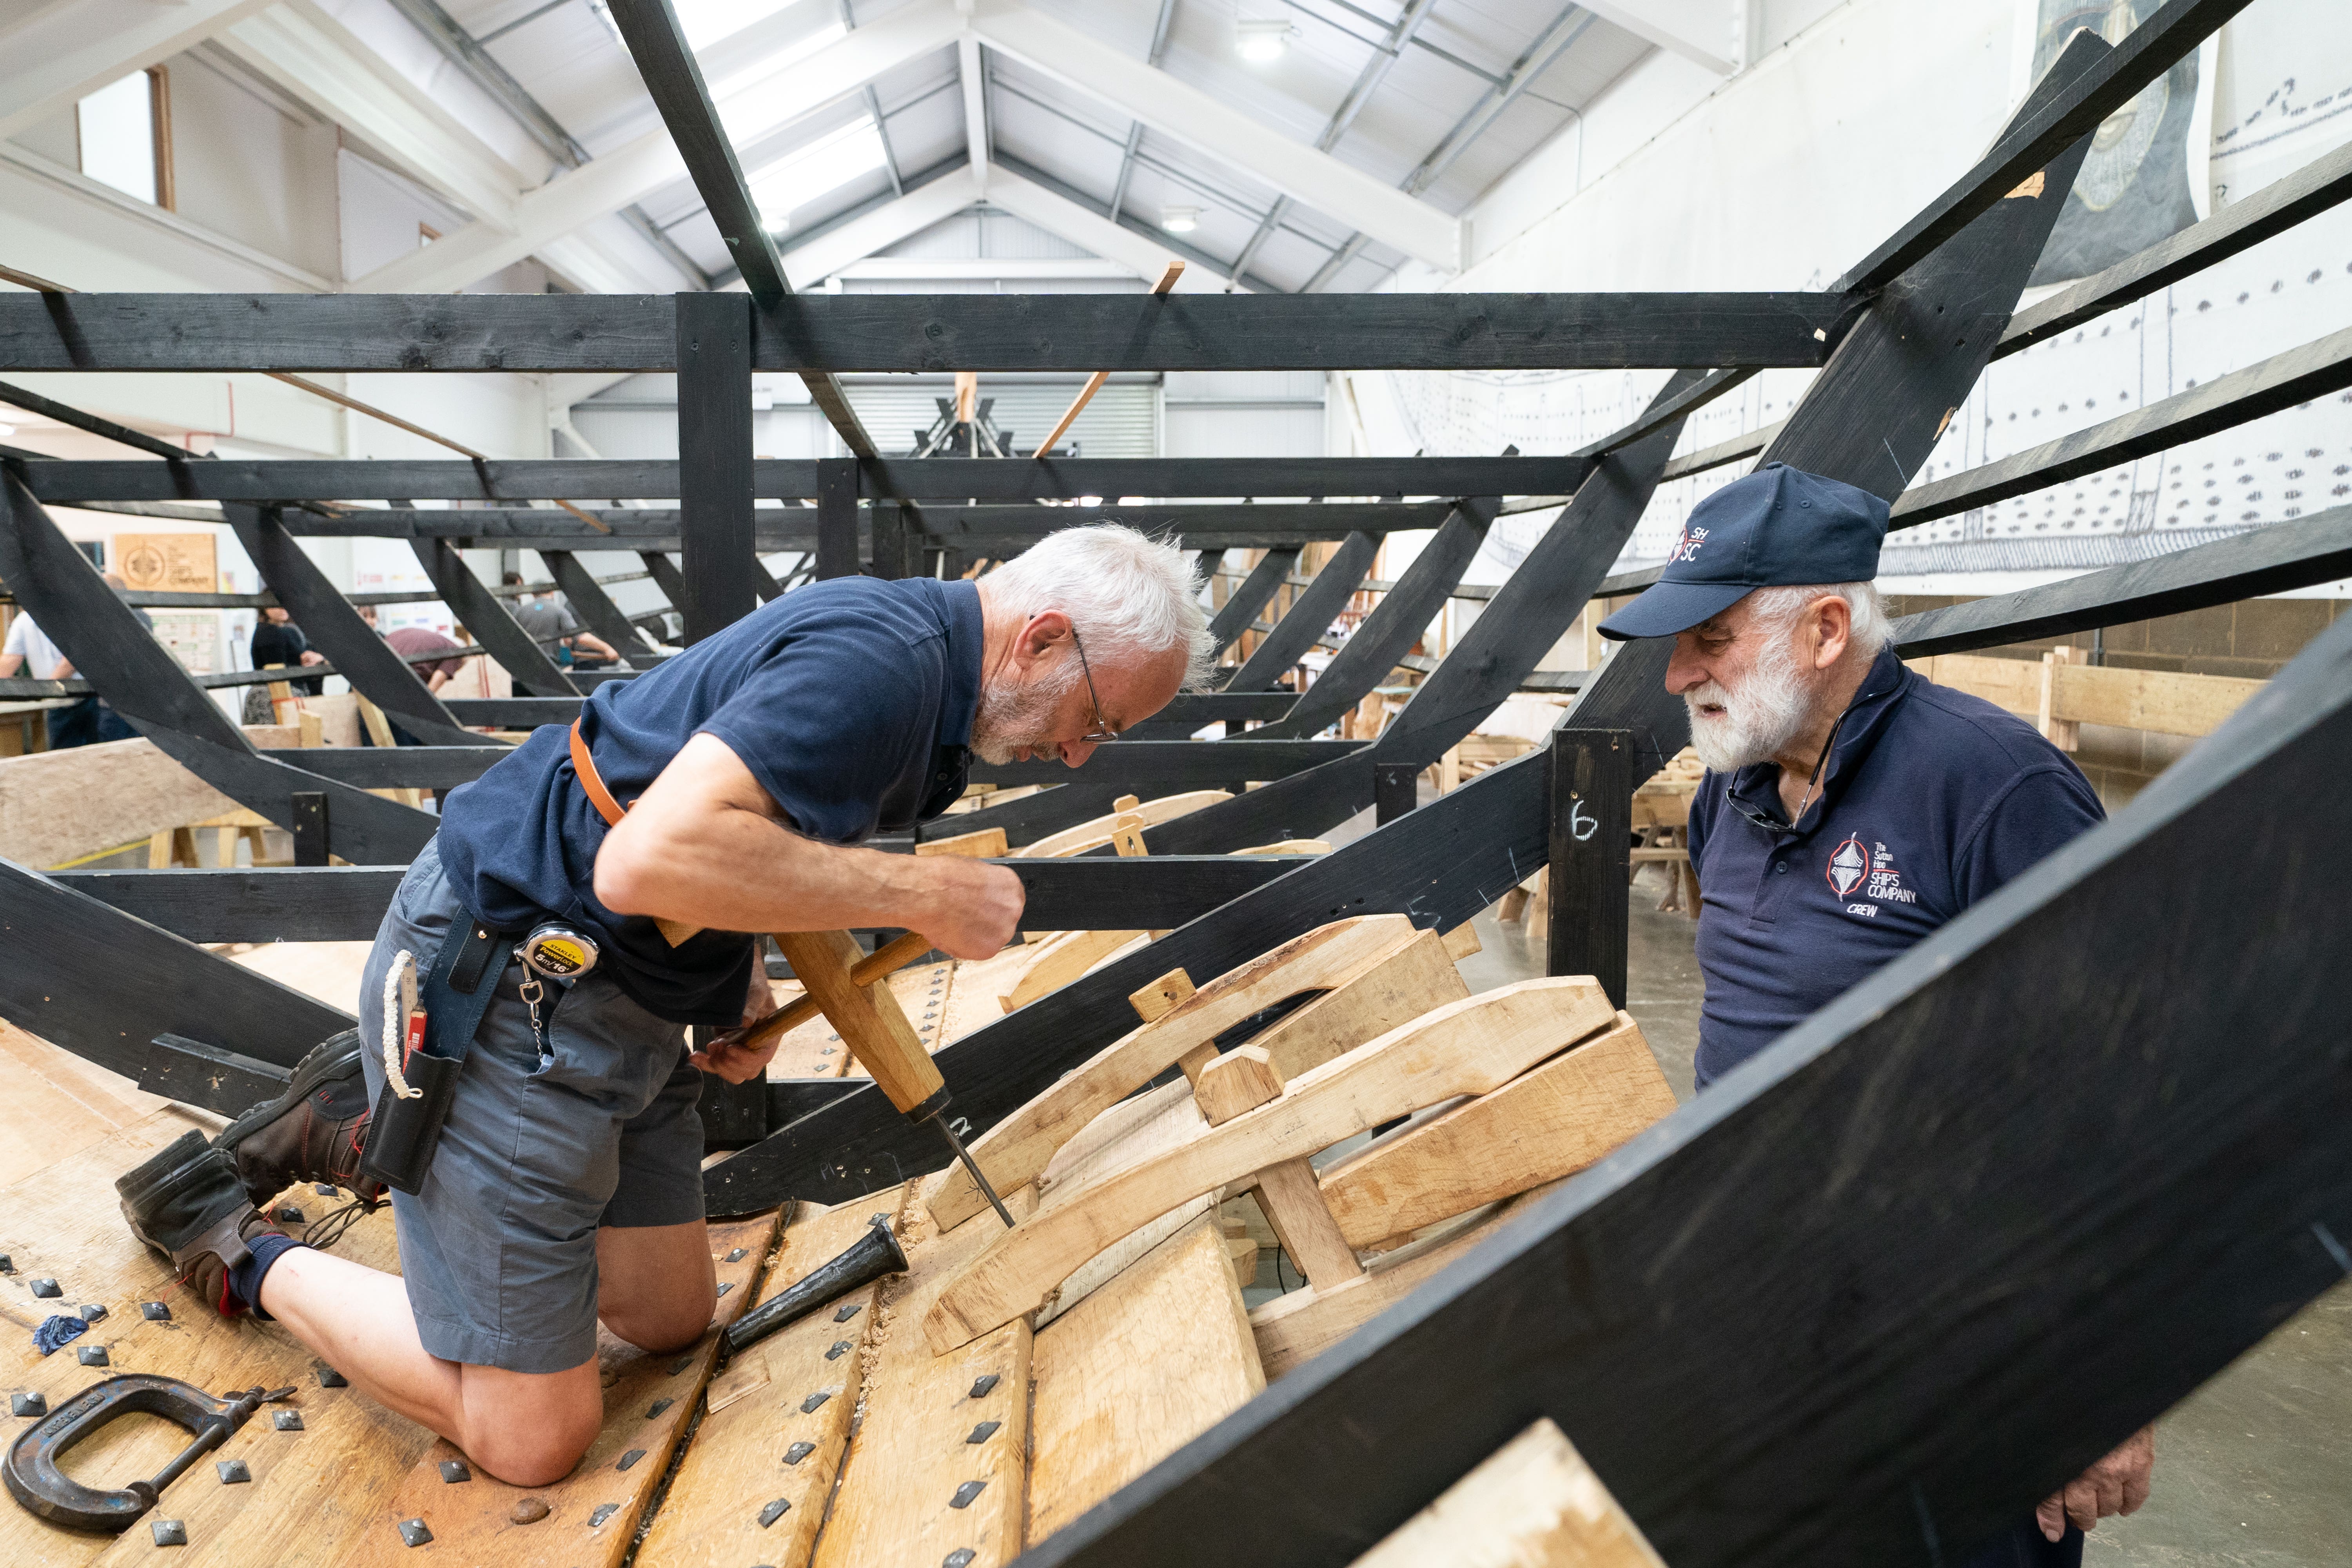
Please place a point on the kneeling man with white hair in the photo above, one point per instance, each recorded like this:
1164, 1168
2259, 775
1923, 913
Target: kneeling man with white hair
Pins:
725, 791
1849, 809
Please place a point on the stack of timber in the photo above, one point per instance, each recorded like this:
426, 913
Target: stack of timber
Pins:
1005, 1383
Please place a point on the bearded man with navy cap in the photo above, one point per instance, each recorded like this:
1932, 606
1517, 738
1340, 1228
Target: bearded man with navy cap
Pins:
1849, 809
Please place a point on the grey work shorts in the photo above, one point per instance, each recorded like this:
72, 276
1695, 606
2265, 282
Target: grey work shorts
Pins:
499, 1250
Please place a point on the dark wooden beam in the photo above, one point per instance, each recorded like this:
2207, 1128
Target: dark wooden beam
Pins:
1034, 817
112, 647
1876, 412
1440, 864
1234, 709
334, 627
2274, 560
103, 984
346, 903
1889, 383
836, 518
2278, 382
2319, 185
1527, 616
1368, 656
393, 767
2066, 105
656, 43
1311, 615
587, 478
209, 1078
1168, 767
921, 332
1928, 1256
595, 608
514, 713
485, 615
714, 433
1591, 829
1236, 614
1323, 520
1067, 479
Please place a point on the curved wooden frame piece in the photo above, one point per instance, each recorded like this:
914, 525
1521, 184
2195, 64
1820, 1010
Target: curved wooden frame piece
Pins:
1097, 831
1015, 1151
1472, 1046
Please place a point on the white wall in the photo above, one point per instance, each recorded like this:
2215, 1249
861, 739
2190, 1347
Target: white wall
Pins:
1786, 173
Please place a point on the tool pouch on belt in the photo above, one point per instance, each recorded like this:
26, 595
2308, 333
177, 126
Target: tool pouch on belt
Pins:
405, 1129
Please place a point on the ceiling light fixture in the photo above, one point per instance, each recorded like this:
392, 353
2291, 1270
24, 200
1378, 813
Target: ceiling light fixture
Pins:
1180, 220
1264, 39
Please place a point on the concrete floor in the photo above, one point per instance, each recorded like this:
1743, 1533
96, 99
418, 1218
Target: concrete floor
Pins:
2254, 1470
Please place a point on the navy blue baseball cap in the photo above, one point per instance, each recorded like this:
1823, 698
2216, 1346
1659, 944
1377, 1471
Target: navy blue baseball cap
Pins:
1776, 526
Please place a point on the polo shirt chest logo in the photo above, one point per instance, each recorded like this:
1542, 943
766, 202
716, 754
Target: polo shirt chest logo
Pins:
1849, 864
1852, 866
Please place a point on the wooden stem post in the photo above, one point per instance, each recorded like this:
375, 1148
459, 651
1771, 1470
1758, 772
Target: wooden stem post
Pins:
836, 518
717, 542
1591, 832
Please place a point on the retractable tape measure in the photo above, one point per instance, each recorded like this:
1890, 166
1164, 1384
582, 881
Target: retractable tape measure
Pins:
557, 952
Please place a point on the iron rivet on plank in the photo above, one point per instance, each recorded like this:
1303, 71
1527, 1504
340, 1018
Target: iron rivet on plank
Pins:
773, 1511
960, 1558
681, 1364
799, 1451
734, 1256
966, 1492
413, 1532
814, 1400
289, 1215
45, 1289
155, 1311
28, 1405
287, 1420
846, 1312
601, 1512
980, 1390
840, 1348
455, 1471
629, 1458
169, 1533
985, 1430
657, 1406
93, 1356
725, 1286
93, 1312
324, 1189
7, 1264
329, 1378
233, 1472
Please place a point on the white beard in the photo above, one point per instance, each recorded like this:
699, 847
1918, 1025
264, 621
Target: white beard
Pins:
1013, 714
1759, 719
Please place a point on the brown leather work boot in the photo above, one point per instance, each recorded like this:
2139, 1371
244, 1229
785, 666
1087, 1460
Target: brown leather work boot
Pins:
185, 1202
312, 1133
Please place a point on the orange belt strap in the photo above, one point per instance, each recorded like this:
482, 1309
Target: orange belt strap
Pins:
611, 810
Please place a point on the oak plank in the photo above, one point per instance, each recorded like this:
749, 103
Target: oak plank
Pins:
1547, 1122
592, 1513
1303, 1222
1469, 1047
310, 1489
911, 1456
1015, 1151
1064, 959
1139, 1368
736, 1468
1534, 1504
1099, 830
2159, 700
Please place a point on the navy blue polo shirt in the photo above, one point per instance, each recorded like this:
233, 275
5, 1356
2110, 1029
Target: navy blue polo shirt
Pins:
1930, 800
850, 701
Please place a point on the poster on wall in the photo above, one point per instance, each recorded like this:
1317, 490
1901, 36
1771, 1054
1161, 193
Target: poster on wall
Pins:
2134, 188
167, 563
